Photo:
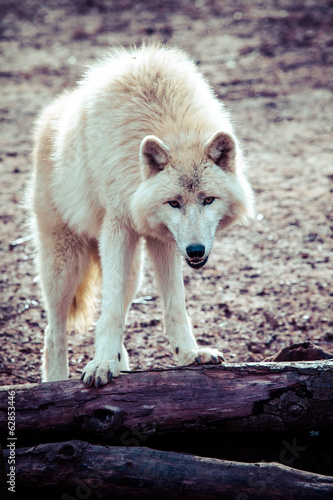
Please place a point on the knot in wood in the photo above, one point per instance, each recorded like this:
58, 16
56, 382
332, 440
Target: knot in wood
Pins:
65, 451
293, 407
104, 421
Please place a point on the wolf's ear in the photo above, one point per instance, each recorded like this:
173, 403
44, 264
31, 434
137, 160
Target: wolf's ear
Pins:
154, 155
221, 148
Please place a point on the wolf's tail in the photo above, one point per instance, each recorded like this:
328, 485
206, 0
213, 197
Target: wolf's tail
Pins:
83, 306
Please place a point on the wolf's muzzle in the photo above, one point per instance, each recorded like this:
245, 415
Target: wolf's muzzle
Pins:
195, 254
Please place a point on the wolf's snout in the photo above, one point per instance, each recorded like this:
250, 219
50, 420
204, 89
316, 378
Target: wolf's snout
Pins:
195, 251
196, 256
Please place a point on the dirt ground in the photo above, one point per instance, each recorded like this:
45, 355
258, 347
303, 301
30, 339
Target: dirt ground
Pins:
266, 285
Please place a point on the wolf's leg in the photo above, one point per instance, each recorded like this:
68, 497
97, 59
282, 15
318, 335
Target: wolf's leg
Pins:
117, 250
63, 259
131, 290
134, 278
168, 266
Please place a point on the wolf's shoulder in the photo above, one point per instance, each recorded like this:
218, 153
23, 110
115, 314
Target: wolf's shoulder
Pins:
145, 68
147, 55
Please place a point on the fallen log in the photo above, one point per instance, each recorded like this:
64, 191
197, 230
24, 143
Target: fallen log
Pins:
233, 397
75, 469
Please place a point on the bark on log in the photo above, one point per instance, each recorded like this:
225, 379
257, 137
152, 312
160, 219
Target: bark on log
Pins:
237, 397
75, 469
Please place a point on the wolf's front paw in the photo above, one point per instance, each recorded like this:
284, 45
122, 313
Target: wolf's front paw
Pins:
206, 355
99, 373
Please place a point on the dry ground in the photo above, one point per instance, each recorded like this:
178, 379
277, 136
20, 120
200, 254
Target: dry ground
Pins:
266, 285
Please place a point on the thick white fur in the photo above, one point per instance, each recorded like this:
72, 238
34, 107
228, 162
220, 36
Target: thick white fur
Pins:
142, 128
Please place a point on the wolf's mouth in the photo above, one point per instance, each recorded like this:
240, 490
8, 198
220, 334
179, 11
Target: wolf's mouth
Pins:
197, 263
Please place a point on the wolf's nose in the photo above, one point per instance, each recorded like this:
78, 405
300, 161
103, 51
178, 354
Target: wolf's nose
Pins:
195, 251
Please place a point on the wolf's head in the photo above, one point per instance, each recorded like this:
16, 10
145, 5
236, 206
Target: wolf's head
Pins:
188, 194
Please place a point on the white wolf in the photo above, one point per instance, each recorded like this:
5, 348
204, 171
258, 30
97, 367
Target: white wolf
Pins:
140, 149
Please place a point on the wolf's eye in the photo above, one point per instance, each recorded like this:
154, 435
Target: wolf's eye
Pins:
209, 200
174, 204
